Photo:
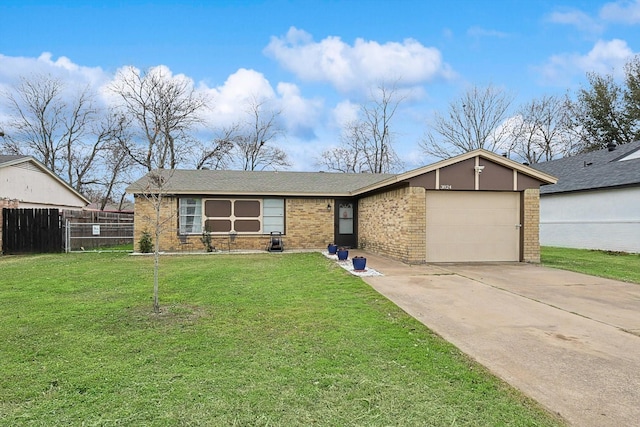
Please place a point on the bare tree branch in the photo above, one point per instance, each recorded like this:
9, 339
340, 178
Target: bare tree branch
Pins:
253, 149
367, 143
541, 130
163, 109
472, 121
64, 131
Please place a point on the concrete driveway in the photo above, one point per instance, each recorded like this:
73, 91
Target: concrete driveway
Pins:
568, 340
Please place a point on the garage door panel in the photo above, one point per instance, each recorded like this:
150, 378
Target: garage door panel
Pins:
473, 226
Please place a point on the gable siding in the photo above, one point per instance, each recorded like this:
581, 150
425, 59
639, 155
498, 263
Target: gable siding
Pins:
36, 189
459, 176
495, 177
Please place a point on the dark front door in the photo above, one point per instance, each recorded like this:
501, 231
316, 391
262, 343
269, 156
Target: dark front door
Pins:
345, 224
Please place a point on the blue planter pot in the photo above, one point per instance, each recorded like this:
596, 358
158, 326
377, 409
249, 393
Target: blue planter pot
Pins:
332, 248
343, 254
359, 263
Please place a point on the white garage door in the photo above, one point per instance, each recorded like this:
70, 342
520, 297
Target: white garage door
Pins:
473, 226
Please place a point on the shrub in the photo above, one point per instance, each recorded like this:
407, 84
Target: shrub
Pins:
206, 241
145, 243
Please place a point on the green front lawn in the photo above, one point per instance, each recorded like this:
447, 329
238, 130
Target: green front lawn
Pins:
245, 340
613, 265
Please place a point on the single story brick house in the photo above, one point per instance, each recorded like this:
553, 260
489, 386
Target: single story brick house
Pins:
596, 202
477, 206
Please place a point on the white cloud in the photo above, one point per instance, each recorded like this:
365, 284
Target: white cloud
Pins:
577, 19
606, 57
478, 32
231, 99
13, 68
344, 113
300, 115
359, 66
625, 12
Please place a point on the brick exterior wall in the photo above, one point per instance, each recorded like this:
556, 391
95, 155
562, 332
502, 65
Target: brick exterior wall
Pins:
393, 224
145, 219
309, 225
531, 226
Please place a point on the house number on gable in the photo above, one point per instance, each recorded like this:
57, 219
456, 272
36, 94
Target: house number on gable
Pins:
445, 186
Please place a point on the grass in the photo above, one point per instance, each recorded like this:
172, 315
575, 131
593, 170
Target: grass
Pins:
243, 340
613, 265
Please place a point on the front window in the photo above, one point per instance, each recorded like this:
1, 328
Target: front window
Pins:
190, 220
244, 215
225, 216
273, 215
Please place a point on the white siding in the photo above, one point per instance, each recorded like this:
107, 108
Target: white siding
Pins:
603, 219
35, 188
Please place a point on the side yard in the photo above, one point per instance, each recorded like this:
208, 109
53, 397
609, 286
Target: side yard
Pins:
285, 339
613, 265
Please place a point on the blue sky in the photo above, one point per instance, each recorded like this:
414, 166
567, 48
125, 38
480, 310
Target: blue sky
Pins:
317, 60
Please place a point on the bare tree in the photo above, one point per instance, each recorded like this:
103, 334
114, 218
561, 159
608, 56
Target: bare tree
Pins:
367, 143
67, 131
218, 153
164, 109
115, 161
541, 130
253, 149
36, 120
472, 121
154, 190
343, 158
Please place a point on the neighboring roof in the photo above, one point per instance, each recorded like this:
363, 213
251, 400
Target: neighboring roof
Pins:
13, 160
318, 184
181, 181
594, 170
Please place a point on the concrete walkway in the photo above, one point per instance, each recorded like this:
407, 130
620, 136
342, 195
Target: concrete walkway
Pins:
568, 340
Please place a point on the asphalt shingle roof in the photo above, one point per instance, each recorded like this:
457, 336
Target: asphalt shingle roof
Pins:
261, 182
10, 158
593, 170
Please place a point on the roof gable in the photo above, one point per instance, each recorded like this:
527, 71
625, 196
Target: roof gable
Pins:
594, 170
540, 176
31, 163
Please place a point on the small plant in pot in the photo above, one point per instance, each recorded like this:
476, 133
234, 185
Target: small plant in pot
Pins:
343, 254
332, 248
359, 263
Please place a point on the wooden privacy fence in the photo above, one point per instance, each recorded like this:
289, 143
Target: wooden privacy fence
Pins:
31, 231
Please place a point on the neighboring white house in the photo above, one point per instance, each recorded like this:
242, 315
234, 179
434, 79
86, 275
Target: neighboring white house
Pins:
596, 202
27, 183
